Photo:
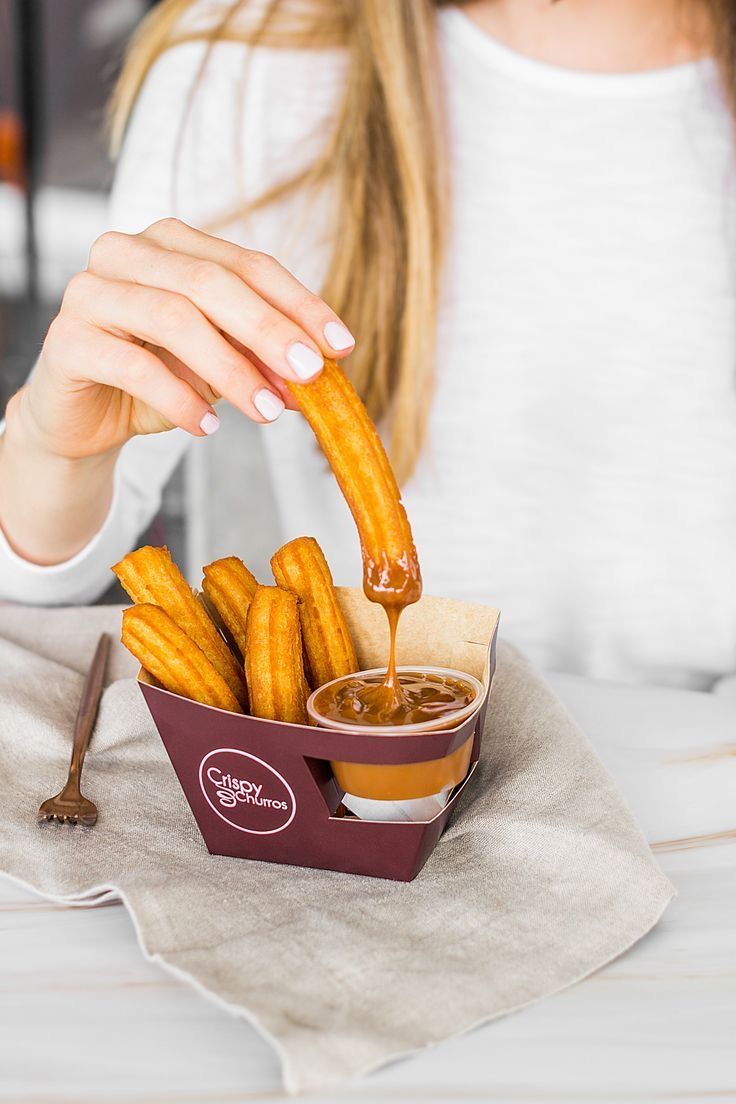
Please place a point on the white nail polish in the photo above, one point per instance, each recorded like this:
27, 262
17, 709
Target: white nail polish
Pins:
268, 405
305, 362
338, 336
210, 423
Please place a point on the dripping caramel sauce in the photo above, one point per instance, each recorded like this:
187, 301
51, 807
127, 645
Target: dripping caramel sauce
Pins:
394, 583
384, 702
393, 699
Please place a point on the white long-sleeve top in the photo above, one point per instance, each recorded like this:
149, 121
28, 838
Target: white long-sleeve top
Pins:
580, 470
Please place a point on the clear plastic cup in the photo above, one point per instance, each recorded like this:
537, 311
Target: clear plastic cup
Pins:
404, 781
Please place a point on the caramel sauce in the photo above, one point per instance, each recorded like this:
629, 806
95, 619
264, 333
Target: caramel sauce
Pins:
393, 584
418, 698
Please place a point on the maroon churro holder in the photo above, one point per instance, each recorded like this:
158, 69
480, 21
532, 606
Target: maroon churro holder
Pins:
264, 790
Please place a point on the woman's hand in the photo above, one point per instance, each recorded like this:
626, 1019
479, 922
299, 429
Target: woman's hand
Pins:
159, 326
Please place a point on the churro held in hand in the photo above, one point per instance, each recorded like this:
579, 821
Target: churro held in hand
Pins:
350, 441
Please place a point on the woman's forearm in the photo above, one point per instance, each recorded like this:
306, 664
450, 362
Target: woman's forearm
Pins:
157, 327
50, 506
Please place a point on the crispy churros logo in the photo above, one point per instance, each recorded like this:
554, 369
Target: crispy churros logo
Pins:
246, 792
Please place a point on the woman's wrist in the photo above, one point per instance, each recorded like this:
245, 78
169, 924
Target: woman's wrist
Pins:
51, 506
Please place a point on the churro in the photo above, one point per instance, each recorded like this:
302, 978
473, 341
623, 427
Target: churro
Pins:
300, 567
274, 666
349, 440
229, 587
150, 576
167, 653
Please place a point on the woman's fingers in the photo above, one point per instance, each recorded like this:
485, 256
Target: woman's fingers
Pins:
265, 275
103, 358
217, 293
240, 303
172, 322
181, 370
276, 382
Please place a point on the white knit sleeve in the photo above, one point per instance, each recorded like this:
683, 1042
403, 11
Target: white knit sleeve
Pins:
142, 472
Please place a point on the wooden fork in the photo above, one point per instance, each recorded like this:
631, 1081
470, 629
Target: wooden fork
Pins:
69, 807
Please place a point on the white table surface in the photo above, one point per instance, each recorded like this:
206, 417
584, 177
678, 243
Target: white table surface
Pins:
84, 1018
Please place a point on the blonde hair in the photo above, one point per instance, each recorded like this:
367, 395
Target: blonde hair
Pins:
385, 160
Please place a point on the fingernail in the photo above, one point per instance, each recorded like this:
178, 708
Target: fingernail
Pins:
268, 405
210, 423
305, 362
338, 336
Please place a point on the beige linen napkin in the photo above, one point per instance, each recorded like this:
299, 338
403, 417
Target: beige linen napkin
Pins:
541, 877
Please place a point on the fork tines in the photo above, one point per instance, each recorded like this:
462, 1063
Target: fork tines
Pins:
60, 817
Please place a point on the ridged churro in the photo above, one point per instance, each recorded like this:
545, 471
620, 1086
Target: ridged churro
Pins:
166, 652
149, 575
229, 587
349, 440
300, 567
274, 666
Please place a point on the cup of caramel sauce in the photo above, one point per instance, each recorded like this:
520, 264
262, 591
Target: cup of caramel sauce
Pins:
426, 699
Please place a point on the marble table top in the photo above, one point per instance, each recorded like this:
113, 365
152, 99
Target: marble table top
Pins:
84, 1018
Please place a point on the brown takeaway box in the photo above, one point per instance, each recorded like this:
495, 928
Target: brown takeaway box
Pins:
264, 790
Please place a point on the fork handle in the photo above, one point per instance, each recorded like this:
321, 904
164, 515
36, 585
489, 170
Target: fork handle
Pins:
88, 706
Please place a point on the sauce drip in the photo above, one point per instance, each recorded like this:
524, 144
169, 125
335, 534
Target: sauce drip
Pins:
393, 584
392, 682
421, 698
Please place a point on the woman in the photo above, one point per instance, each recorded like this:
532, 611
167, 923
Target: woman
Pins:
522, 210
